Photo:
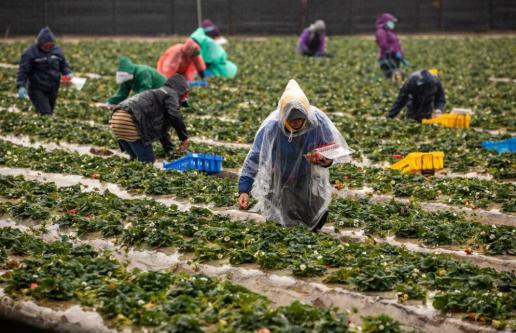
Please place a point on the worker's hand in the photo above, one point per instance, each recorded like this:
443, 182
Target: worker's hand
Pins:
437, 113
325, 162
22, 92
183, 146
322, 161
243, 201
318, 159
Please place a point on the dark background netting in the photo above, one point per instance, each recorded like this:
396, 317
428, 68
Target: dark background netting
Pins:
156, 17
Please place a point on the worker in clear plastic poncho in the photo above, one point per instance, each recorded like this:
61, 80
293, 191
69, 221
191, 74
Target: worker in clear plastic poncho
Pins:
289, 182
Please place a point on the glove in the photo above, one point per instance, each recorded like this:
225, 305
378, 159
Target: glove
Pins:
398, 56
437, 113
67, 78
22, 92
202, 75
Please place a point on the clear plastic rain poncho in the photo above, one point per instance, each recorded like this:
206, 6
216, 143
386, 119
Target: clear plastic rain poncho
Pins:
288, 188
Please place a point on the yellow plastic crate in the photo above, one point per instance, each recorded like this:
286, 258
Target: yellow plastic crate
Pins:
451, 120
420, 162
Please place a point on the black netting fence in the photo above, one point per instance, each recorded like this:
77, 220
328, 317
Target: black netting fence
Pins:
156, 17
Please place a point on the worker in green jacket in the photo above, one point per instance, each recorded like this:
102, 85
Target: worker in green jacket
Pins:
214, 56
136, 78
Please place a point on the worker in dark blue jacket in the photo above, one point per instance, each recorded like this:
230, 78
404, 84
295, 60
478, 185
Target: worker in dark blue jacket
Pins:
41, 66
423, 95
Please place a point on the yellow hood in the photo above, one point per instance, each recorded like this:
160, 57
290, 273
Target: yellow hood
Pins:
293, 96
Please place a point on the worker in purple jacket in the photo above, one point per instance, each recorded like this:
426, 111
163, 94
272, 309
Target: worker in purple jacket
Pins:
391, 54
312, 42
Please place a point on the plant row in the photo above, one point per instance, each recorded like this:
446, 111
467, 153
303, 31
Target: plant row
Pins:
200, 188
470, 192
432, 228
81, 132
170, 302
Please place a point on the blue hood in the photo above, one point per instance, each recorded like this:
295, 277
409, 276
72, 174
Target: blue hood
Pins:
45, 35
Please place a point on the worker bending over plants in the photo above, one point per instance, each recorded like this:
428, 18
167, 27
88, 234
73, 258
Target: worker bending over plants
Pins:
184, 59
283, 170
214, 56
312, 41
148, 116
134, 77
423, 95
43, 65
137, 78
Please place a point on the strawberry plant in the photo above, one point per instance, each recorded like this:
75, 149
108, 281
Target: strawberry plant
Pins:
432, 228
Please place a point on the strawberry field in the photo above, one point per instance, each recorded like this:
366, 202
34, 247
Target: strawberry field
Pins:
110, 244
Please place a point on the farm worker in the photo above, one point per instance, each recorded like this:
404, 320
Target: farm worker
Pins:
312, 41
43, 65
290, 186
214, 56
390, 52
138, 78
423, 95
184, 59
146, 117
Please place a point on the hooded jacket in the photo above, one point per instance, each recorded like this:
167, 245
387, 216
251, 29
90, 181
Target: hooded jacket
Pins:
42, 69
422, 93
155, 111
386, 39
214, 55
184, 59
144, 78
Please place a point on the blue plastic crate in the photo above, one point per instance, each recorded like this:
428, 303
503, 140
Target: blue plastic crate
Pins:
505, 146
200, 83
195, 161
